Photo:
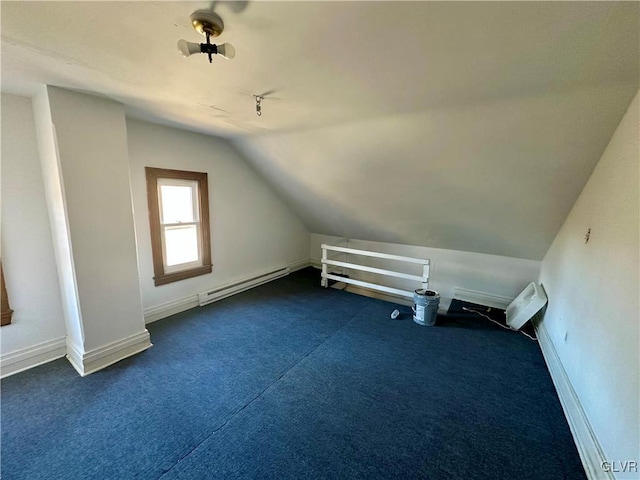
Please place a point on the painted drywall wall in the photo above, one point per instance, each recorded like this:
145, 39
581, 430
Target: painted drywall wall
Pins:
56, 207
27, 249
480, 272
592, 317
252, 231
85, 159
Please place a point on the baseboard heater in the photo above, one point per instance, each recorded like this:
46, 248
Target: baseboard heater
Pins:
210, 296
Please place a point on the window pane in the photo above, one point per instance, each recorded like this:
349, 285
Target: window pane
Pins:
177, 203
179, 219
181, 244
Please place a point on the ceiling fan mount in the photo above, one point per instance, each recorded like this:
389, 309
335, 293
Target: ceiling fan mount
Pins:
207, 22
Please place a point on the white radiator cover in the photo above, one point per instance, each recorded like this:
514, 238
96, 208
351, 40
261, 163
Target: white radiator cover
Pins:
530, 301
218, 293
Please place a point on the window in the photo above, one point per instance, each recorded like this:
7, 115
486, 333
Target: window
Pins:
179, 220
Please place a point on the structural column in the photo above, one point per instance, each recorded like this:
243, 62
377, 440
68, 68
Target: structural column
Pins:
83, 149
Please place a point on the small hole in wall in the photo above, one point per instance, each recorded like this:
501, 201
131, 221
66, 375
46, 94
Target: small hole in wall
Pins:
587, 236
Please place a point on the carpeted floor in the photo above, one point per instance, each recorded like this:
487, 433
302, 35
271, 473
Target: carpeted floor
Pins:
292, 381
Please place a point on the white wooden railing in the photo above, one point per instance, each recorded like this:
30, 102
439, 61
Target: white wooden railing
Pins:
326, 275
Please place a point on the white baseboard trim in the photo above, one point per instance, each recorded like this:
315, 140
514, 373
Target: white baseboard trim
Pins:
585, 439
164, 310
299, 265
99, 358
387, 297
170, 308
26, 358
481, 298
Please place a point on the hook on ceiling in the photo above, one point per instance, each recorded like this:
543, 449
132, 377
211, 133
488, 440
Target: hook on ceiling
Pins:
259, 99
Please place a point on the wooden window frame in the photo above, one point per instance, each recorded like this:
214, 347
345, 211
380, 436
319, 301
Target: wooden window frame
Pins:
6, 309
153, 174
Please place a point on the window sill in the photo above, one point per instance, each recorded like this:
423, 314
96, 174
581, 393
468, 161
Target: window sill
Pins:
6, 317
177, 276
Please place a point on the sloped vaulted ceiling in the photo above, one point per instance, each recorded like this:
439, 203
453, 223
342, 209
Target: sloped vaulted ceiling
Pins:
460, 125
488, 120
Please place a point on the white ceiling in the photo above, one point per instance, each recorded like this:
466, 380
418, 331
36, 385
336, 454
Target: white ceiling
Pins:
462, 125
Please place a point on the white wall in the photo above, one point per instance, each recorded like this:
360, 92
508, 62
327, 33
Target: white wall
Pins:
27, 249
56, 206
492, 274
91, 141
592, 317
252, 231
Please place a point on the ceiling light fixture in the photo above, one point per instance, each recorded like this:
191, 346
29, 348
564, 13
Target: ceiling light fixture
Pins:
210, 25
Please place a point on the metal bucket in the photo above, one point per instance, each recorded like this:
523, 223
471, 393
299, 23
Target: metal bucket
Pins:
425, 308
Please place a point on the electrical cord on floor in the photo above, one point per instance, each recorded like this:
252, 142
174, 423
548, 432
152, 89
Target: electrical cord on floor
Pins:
498, 323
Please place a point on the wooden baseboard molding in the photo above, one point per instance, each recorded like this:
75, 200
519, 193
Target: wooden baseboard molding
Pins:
89, 362
585, 439
26, 358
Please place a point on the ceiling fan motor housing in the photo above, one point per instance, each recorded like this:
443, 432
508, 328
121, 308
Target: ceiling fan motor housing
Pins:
207, 22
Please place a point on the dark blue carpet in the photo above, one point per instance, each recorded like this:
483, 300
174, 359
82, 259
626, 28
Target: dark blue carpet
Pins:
291, 381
